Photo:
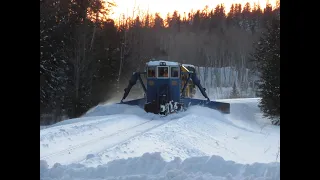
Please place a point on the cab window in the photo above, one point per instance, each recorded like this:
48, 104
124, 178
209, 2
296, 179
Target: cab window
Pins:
163, 72
151, 72
174, 71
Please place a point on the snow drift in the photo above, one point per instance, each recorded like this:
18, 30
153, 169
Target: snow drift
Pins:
152, 166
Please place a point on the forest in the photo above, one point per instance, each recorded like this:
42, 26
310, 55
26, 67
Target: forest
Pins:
85, 57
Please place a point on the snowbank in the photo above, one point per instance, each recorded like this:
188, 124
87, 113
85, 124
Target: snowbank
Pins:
102, 110
152, 166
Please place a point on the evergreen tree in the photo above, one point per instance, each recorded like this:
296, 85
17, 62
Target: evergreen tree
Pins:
267, 58
158, 22
234, 92
53, 65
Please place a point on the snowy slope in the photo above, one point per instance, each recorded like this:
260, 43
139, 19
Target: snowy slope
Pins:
118, 132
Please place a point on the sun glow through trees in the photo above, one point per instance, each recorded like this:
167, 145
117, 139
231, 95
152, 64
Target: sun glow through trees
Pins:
133, 8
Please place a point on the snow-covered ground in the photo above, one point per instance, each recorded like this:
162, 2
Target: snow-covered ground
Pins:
123, 142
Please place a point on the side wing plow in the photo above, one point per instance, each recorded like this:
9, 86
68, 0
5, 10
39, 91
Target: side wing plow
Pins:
220, 106
136, 102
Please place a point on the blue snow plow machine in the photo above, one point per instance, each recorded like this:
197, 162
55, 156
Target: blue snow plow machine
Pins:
170, 88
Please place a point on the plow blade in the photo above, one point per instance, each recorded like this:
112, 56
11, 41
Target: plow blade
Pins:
135, 102
220, 106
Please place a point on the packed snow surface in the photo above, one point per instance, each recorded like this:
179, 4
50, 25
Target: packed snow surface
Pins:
124, 142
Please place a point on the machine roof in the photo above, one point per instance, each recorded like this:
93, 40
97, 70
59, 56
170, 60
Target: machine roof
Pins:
158, 62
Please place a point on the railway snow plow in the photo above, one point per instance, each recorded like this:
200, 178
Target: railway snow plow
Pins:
170, 88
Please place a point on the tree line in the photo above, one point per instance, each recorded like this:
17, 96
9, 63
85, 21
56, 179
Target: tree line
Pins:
85, 56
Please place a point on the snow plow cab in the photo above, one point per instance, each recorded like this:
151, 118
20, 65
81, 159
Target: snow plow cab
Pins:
170, 88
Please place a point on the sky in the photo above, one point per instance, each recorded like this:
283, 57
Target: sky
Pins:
168, 6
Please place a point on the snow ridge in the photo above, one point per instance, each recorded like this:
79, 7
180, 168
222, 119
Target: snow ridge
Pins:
153, 166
